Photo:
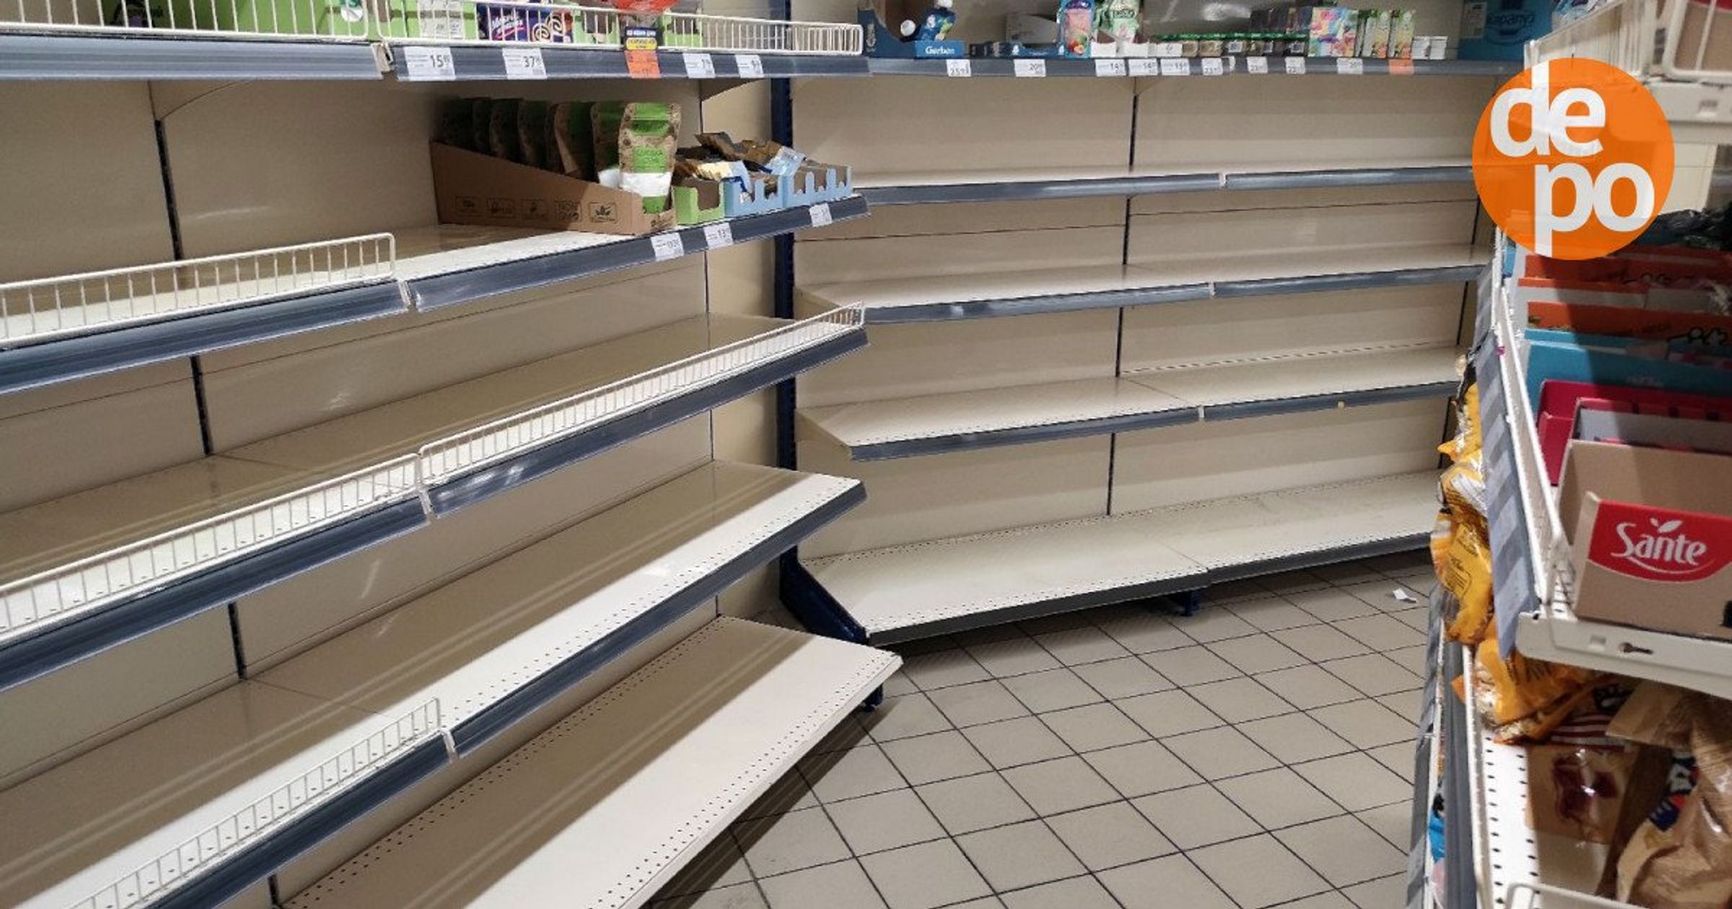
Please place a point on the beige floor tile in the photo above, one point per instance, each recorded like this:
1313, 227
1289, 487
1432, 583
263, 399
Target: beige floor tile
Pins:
899, 718
1195, 816
739, 896
1051, 787
852, 773
940, 756
1306, 687
1145, 632
789, 793
1392, 822
1075, 893
719, 865
1331, 605
1164, 883
924, 876
1320, 642
1331, 900
942, 669
1272, 613
1398, 757
1213, 625
1013, 657
1380, 632
1278, 798
789, 842
1294, 737
1219, 753
1239, 700
1110, 835
1279, 876
978, 702
1256, 653
1385, 891
1355, 781
1167, 713
1020, 855
1087, 644
974, 803
1094, 727
1367, 724
843, 885
887, 820
1372, 673
1142, 768
1054, 689
1123, 678
1194, 665
1344, 850
1010, 743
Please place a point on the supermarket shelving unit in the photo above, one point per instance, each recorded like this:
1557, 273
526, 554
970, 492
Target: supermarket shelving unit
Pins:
1082, 373
314, 531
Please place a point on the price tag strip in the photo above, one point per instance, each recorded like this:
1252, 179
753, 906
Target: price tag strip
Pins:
699, 66
1214, 66
1257, 66
429, 64
523, 63
958, 68
718, 235
1177, 66
1295, 66
821, 215
1350, 66
751, 66
667, 246
1144, 66
1106, 67
1029, 69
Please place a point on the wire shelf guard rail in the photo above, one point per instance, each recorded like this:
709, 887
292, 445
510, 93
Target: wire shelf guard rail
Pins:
505, 438
301, 20
507, 23
33, 603
293, 799
51, 308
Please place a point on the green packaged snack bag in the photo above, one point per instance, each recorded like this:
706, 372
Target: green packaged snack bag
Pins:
606, 117
648, 139
572, 148
502, 133
532, 133
454, 123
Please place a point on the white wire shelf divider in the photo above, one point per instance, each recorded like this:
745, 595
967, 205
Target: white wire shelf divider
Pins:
511, 23
1680, 51
55, 329
299, 20
33, 604
723, 368
1527, 529
1274, 66
632, 786
182, 868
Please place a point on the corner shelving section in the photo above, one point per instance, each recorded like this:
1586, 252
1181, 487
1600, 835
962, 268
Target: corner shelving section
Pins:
118, 561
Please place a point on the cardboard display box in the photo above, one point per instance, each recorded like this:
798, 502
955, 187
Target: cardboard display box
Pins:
472, 188
1650, 534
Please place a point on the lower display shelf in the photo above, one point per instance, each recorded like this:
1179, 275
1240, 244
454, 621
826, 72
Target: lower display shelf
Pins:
604, 807
904, 592
1020, 414
498, 643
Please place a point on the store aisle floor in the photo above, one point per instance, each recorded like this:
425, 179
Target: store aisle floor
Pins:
1258, 754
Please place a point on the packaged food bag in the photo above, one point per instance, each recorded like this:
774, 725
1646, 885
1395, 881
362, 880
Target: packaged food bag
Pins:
648, 140
1681, 856
571, 150
606, 117
532, 133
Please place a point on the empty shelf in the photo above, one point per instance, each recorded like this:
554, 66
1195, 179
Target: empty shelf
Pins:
498, 643
919, 590
483, 436
1020, 414
1013, 415
447, 264
603, 808
193, 807
1054, 183
96, 568
947, 297
137, 54
56, 329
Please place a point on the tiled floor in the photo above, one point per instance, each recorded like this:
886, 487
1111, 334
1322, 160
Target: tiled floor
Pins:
1255, 755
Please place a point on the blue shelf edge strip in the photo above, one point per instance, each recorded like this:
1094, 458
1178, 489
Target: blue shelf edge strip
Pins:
1022, 435
144, 56
538, 462
1137, 185
477, 730
1506, 514
439, 291
36, 365
823, 614
61, 645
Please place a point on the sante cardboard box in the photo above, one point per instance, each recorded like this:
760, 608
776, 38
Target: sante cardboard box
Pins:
472, 188
1650, 534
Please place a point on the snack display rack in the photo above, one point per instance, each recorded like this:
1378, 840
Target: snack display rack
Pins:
1674, 49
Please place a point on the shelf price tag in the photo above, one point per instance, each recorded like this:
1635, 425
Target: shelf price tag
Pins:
523, 63
1029, 69
1401, 67
1175, 66
1295, 66
1144, 66
1350, 66
751, 66
429, 64
718, 235
957, 68
1214, 66
1257, 66
1105, 67
821, 215
668, 246
641, 61
699, 66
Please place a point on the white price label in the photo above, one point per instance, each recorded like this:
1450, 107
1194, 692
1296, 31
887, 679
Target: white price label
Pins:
1105, 67
668, 246
751, 66
700, 66
1144, 66
429, 64
1030, 69
1350, 66
1295, 66
1213, 66
523, 63
1257, 66
1175, 66
718, 235
956, 68
821, 215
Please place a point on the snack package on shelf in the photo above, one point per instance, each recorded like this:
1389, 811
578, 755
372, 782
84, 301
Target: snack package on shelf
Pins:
1459, 549
1525, 701
1679, 858
648, 136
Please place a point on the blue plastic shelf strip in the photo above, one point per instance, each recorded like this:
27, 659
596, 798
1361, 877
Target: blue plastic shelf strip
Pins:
488, 63
35, 365
1243, 409
1461, 884
1064, 67
508, 277
1020, 306
61, 645
1348, 281
1060, 187
1512, 564
495, 478
75, 57
532, 695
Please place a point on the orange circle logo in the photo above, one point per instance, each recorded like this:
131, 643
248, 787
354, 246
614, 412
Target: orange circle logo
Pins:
1572, 158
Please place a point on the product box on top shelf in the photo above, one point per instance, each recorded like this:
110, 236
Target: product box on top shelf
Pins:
1650, 533
1578, 410
908, 28
1499, 29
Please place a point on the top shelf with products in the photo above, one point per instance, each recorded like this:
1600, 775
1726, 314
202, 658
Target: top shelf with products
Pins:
1140, 67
